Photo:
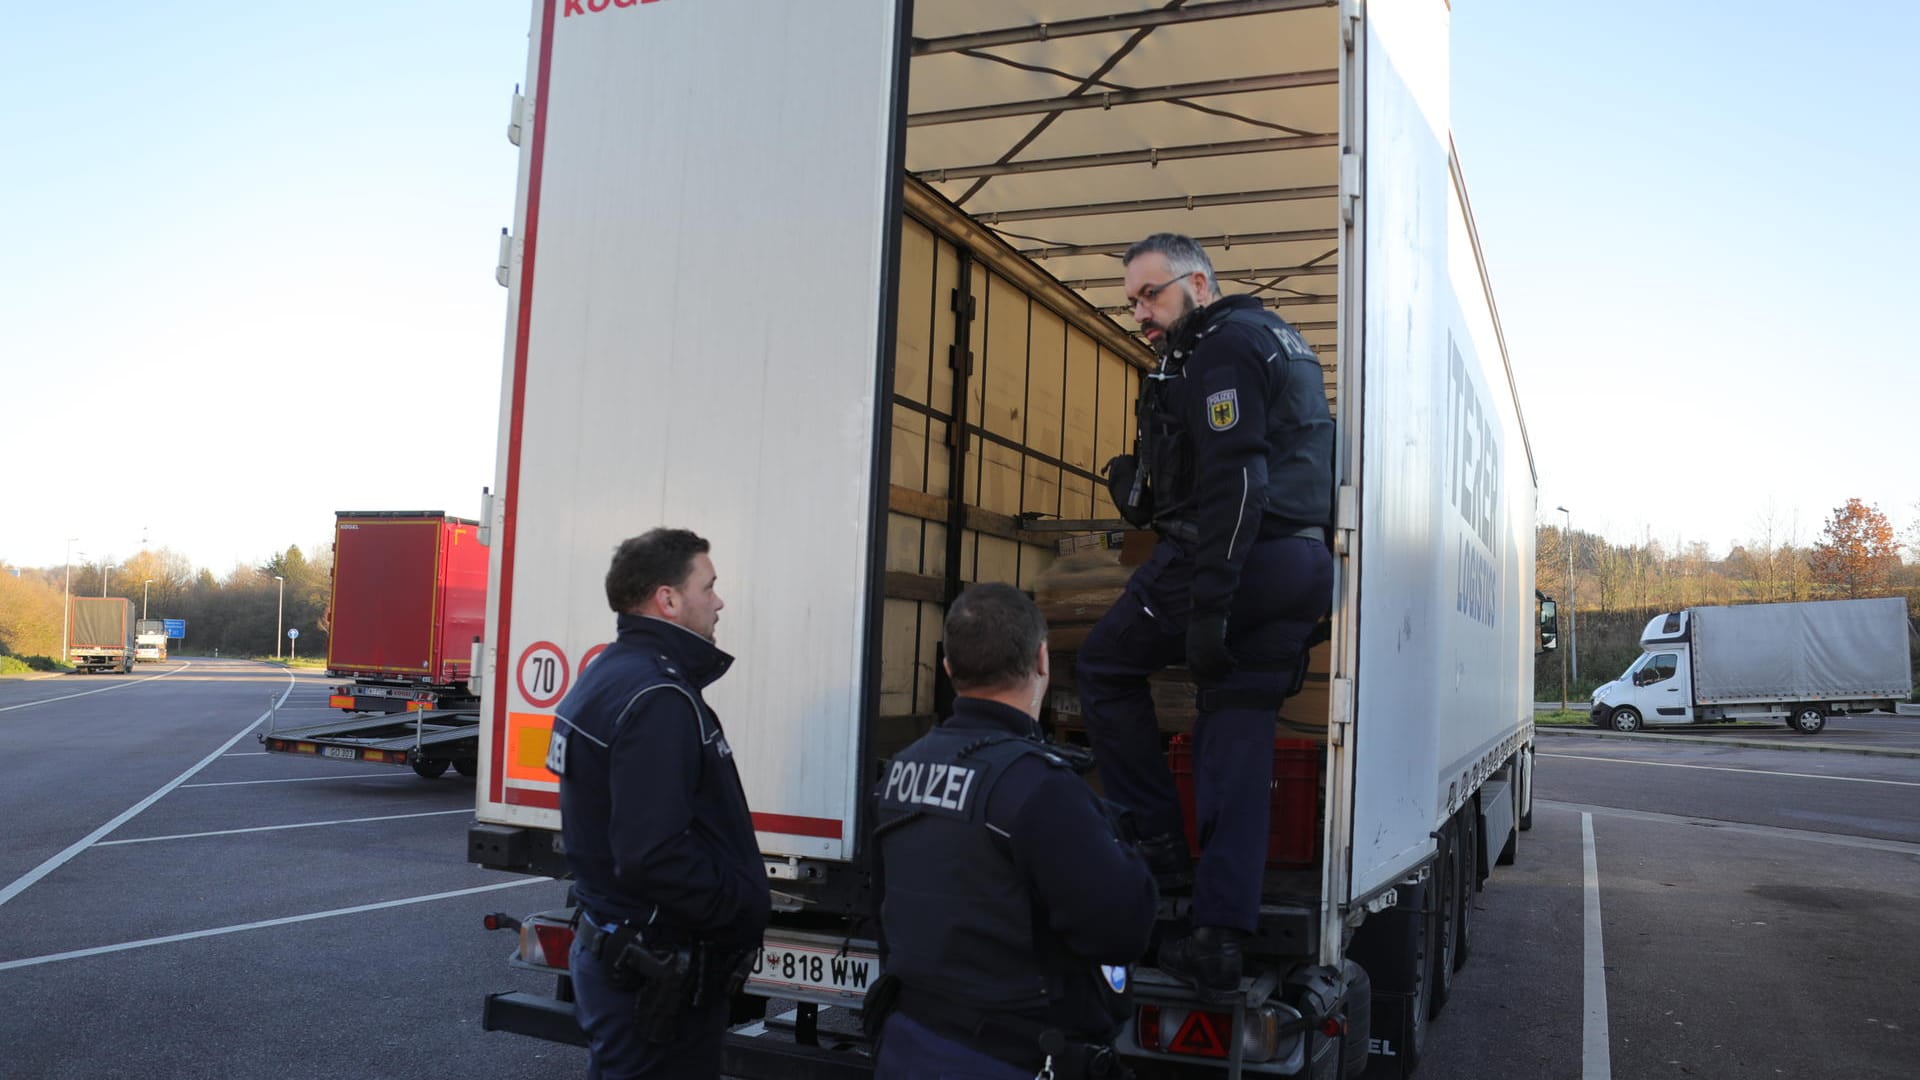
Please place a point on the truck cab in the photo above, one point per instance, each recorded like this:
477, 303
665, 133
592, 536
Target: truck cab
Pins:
1657, 688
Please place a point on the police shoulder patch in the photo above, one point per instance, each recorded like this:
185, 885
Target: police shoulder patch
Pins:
1223, 409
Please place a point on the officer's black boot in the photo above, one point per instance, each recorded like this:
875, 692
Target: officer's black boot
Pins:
1211, 959
1172, 864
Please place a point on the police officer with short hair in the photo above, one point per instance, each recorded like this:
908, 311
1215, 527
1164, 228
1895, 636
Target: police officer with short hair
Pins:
671, 888
1010, 904
1234, 469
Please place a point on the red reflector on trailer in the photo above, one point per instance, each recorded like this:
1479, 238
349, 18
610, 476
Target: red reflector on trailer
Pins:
1332, 1028
1203, 1035
554, 943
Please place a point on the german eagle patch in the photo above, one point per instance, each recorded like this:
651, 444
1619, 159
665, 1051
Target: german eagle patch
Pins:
1223, 409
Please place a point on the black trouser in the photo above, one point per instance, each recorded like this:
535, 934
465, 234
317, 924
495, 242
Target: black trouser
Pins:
1286, 588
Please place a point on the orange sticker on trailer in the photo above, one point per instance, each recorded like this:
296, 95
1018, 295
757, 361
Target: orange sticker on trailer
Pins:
527, 737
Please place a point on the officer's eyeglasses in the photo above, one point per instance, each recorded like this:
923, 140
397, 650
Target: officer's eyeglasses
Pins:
1148, 293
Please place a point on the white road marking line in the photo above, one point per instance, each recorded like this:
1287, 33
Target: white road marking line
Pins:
277, 828
101, 950
249, 753
26, 880
1596, 1053
1725, 768
301, 779
101, 690
1778, 832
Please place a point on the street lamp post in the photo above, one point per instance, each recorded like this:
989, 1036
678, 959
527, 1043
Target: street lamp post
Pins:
143, 598
105, 572
1573, 607
66, 600
279, 613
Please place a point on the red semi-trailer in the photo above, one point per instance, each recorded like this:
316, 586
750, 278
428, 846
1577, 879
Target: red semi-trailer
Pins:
408, 603
409, 599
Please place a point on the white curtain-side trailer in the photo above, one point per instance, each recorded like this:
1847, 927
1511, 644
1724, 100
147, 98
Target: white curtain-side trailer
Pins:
837, 286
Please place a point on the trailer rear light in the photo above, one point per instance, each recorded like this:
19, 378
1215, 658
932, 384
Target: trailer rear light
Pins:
1206, 1034
545, 944
1147, 1027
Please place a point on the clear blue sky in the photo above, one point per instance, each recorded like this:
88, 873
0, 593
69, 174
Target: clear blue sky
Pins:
1703, 232
260, 239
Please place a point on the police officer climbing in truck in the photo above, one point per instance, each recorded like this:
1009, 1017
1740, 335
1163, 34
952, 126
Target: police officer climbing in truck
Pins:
671, 890
1010, 904
1233, 468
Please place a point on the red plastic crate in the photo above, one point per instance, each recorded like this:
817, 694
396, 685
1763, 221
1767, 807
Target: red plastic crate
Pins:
1293, 829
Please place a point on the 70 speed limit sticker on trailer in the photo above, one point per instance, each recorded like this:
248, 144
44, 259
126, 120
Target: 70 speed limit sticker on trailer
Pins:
543, 674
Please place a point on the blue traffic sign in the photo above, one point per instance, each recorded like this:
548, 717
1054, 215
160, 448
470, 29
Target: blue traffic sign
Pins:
176, 628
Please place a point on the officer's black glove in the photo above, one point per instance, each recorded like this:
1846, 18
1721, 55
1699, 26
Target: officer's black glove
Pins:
1207, 655
1129, 490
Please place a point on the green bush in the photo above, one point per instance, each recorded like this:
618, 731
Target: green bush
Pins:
18, 665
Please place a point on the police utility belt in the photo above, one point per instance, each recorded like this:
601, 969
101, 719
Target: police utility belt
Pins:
1270, 529
666, 980
1018, 1041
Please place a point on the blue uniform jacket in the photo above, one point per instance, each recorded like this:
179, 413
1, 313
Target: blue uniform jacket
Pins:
653, 817
1006, 895
1245, 440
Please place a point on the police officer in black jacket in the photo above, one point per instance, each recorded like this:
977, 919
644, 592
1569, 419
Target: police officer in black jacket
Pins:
671, 888
1010, 904
1234, 469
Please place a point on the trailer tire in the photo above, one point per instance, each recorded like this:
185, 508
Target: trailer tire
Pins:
1469, 859
467, 768
1625, 718
430, 768
1442, 956
1523, 815
1808, 719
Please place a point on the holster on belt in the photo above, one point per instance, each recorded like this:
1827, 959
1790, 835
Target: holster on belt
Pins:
666, 980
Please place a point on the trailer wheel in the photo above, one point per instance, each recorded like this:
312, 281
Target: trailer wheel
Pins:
1469, 859
1523, 819
431, 768
467, 768
1626, 718
1446, 918
1808, 719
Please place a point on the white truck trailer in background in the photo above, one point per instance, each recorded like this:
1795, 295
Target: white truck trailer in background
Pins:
1797, 662
872, 343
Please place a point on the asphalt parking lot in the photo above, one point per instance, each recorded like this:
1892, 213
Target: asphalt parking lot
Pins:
174, 902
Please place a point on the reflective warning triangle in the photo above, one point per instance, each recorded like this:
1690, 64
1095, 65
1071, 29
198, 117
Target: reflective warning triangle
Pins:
1203, 1033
